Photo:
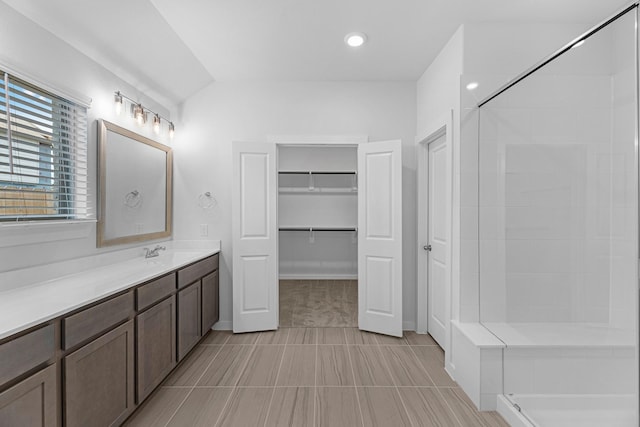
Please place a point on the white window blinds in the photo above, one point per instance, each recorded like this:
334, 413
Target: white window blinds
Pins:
43, 154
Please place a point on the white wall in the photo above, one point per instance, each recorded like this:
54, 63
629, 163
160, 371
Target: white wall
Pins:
438, 97
226, 112
29, 49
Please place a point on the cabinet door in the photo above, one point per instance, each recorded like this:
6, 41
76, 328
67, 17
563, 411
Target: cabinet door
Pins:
189, 321
32, 402
156, 345
99, 380
210, 301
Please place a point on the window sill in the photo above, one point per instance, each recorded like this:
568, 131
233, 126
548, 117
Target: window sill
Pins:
33, 232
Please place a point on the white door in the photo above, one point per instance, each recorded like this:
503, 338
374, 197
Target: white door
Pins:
255, 274
437, 243
380, 237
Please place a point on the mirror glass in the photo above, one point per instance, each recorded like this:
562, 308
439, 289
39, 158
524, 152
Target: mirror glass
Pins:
135, 186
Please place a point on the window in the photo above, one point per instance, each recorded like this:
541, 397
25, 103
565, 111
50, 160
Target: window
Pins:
43, 154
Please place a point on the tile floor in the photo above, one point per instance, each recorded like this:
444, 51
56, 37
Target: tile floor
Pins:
319, 303
312, 377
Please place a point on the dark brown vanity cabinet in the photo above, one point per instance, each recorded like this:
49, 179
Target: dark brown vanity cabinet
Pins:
189, 311
94, 365
30, 401
210, 302
99, 380
156, 333
156, 355
197, 302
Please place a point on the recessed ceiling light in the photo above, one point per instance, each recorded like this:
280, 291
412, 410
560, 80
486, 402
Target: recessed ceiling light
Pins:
355, 39
472, 86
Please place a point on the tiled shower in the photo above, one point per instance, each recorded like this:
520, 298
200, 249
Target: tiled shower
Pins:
558, 232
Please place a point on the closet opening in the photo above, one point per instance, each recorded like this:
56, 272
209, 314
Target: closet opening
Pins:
318, 235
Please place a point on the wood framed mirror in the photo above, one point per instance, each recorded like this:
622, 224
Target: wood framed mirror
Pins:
134, 187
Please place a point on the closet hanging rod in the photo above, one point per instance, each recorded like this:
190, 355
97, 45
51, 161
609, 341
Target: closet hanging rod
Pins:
310, 229
318, 172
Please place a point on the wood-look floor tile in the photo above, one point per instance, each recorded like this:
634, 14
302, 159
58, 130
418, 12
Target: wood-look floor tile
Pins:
331, 336
430, 358
382, 406
466, 411
262, 366
248, 406
419, 339
356, 336
217, 337
243, 338
158, 408
405, 367
202, 408
193, 366
427, 408
285, 319
337, 407
389, 340
302, 336
369, 366
278, 336
227, 367
298, 366
291, 406
334, 367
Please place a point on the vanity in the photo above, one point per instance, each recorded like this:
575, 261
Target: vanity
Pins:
84, 342
86, 349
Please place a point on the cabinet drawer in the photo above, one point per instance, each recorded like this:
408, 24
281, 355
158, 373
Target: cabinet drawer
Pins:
26, 352
197, 270
84, 325
155, 291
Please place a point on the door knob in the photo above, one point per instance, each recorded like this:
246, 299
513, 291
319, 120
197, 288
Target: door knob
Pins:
427, 248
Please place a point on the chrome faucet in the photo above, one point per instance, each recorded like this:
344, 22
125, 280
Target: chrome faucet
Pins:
150, 253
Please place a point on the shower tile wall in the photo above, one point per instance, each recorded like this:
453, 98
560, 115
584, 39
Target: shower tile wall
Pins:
554, 195
544, 203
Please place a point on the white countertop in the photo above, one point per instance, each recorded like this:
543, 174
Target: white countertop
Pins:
29, 297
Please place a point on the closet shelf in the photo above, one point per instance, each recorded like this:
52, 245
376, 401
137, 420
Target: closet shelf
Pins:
306, 190
318, 172
311, 229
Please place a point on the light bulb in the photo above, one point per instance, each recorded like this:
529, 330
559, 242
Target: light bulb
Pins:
156, 124
118, 101
138, 114
172, 130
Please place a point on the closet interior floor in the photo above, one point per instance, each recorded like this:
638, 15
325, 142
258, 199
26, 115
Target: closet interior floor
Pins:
312, 377
319, 303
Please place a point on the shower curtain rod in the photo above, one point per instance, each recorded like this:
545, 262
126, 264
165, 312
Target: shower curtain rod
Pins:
556, 54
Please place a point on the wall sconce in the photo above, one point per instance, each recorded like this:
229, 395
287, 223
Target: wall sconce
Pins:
139, 113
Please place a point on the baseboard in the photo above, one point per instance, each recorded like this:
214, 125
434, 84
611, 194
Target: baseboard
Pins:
318, 277
409, 325
223, 325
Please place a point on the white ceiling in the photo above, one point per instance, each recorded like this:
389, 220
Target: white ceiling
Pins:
176, 47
